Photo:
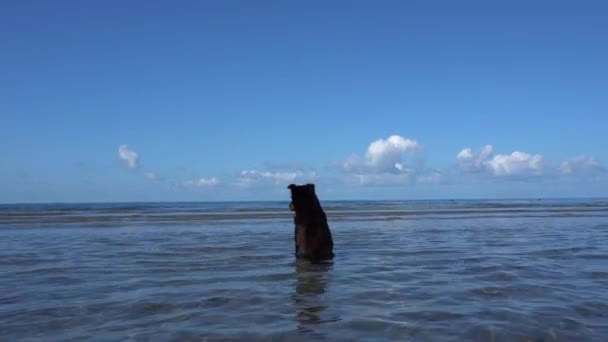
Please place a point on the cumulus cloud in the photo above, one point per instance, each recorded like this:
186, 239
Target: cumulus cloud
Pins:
382, 156
384, 163
501, 165
516, 164
250, 178
473, 161
580, 165
128, 156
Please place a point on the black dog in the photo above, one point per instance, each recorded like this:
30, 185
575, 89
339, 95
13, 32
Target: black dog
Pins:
313, 239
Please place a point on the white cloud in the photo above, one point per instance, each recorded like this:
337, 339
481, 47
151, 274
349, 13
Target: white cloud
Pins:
580, 165
129, 156
473, 161
383, 163
382, 156
431, 178
387, 155
378, 179
151, 176
514, 164
250, 178
201, 182
394, 179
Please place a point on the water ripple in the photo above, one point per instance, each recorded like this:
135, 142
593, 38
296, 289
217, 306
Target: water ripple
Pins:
426, 280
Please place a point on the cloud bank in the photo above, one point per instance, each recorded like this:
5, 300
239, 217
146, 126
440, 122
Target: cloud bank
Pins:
252, 178
581, 165
391, 161
201, 183
516, 164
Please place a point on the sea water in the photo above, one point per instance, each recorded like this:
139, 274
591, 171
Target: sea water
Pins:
511, 270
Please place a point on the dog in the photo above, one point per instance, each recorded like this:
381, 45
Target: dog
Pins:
313, 239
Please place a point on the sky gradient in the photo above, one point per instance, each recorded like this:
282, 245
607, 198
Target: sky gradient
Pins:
234, 100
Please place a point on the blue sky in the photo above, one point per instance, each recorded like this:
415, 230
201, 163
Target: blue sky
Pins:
234, 100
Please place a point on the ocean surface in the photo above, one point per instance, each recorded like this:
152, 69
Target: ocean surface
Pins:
516, 270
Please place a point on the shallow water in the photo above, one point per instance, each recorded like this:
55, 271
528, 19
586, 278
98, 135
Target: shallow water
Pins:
482, 272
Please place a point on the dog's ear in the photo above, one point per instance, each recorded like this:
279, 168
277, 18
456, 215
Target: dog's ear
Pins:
310, 188
291, 186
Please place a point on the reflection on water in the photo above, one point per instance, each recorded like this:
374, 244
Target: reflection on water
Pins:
311, 284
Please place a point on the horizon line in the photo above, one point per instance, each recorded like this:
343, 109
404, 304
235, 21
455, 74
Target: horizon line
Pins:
322, 200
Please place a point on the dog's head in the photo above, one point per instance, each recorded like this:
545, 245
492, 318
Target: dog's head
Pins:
302, 196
